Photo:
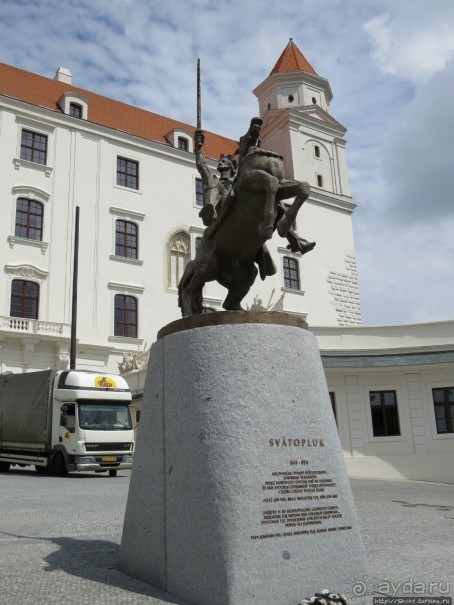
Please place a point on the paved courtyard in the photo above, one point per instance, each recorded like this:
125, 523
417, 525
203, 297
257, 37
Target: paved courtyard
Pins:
59, 539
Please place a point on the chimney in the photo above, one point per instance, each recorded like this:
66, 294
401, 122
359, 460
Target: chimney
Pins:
63, 75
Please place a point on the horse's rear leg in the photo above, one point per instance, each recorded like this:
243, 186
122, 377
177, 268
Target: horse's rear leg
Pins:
289, 189
243, 280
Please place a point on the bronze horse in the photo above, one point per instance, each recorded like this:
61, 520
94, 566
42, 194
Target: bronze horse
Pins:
232, 245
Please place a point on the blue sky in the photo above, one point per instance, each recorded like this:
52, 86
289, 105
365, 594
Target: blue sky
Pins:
391, 68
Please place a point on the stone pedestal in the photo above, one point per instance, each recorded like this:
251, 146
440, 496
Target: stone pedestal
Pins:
239, 492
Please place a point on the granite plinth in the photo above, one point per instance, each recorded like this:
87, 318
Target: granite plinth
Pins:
239, 492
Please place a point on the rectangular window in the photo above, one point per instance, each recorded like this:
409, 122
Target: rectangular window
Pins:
291, 273
75, 110
183, 144
319, 180
385, 417
127, 173
444, 409
33, 147
199, 193
125, 239
125, 322
29, 219
333, 404
316, 151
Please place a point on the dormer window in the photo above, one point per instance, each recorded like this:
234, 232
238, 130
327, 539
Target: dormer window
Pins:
75, 110
183, 144
75, 105
182, 139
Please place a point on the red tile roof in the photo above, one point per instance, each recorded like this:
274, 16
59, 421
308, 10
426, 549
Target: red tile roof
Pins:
44, 92
292, 59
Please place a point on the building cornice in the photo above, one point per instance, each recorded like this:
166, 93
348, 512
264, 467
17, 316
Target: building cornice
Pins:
289, 77
320, 197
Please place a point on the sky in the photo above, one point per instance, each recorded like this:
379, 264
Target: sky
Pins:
390, 64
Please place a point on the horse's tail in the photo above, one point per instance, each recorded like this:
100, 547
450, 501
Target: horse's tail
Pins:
184, 281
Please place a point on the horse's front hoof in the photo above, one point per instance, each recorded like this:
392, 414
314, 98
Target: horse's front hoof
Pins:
265, 231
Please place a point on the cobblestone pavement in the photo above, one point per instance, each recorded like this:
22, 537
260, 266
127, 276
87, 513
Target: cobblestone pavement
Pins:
59, 539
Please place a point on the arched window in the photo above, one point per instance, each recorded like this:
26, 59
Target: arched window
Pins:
125, 319
24, 299
29, 219
291, 273
178, 257
126, 239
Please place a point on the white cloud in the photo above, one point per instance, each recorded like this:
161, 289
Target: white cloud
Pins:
409, 49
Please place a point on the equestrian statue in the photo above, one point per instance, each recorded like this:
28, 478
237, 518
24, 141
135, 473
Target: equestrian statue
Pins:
243, 206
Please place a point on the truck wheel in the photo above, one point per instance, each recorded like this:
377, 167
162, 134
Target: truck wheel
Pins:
58, 465
113, 472
4, 467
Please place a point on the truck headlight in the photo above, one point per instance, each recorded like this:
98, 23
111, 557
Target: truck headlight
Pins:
128, 459
87, 460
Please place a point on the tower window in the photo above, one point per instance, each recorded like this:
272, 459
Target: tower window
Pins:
291, 98
183, 144
268, 106
317, 151
314, 100
319, 180
291, 273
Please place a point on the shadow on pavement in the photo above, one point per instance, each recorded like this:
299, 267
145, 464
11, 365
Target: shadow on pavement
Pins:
96, 561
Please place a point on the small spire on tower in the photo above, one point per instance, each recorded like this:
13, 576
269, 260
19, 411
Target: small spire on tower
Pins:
292, 59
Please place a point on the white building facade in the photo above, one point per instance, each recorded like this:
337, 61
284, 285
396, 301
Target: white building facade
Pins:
133, 175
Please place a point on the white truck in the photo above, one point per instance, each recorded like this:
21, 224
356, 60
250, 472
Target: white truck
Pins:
65, 421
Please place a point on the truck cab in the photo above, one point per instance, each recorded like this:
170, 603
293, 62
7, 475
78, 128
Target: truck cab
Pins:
92, 430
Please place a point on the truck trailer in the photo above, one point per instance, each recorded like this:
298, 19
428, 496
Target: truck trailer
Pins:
65, 421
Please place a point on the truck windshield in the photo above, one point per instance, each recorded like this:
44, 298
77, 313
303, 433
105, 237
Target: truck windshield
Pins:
102, 417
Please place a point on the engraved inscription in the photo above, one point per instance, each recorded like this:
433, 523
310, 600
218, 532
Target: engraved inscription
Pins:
297, 482
291, 517
304, 498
